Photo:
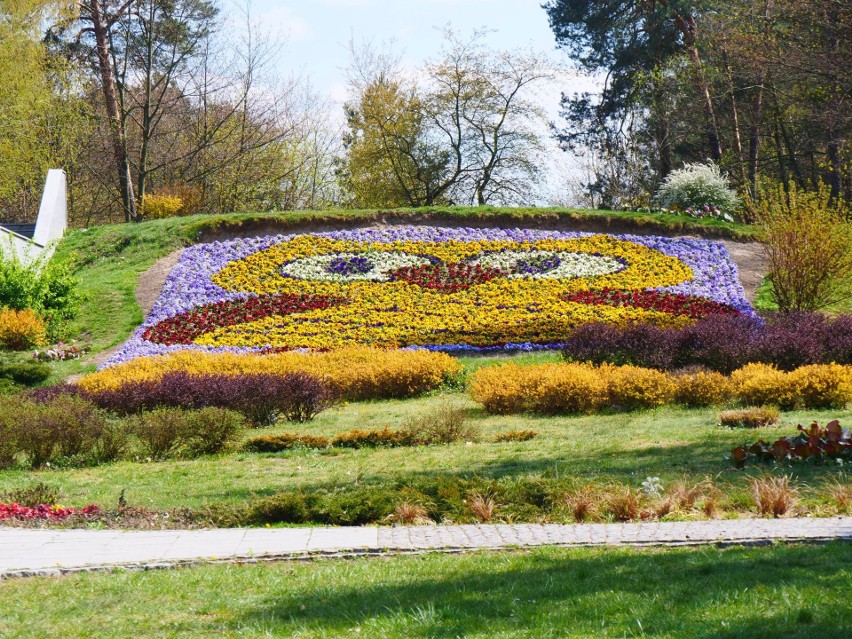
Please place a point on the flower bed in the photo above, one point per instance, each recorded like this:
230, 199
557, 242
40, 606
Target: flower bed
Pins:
43, 511
433, 288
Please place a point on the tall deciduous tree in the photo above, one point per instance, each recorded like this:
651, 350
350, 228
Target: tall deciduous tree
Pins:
463, 131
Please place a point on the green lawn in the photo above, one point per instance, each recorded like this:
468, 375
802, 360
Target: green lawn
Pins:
753, 593
671, 443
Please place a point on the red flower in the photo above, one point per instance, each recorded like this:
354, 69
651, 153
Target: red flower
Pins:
187, 327
675, 304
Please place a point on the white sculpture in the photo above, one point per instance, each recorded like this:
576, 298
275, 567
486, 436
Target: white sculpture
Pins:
49, 227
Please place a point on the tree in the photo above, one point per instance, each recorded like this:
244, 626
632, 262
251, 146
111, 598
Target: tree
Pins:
466, 132
40, 117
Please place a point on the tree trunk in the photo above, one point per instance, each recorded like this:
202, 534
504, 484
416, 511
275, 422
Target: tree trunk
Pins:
100, 27
738, 144
689, 28
662, 132
835, 164
754, 131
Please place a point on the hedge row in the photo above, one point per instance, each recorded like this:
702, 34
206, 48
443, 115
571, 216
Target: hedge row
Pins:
583, 388
356, 373
717, 342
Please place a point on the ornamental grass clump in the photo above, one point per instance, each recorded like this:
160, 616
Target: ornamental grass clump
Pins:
753, 417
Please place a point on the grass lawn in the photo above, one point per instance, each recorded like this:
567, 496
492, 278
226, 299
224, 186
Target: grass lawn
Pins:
670, 443
780, 591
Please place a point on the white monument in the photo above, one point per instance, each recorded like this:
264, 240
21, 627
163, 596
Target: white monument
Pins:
37, 241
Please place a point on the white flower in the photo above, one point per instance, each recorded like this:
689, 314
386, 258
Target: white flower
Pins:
380, 265
566, 265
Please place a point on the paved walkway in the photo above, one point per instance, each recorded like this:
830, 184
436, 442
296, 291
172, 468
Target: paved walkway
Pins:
25, 552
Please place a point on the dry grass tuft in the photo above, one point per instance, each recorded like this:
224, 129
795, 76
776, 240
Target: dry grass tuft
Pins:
840, 492
583, 504
410, 514
774, 496
482, 507
624, 504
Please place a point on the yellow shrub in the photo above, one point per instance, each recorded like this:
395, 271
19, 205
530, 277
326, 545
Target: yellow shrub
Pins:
704, 388
823, 385
635, 387
156, 207
569, 388
20, 330
504, 390
763, 384
360, 373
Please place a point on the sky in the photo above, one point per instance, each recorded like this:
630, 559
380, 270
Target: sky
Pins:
315, 35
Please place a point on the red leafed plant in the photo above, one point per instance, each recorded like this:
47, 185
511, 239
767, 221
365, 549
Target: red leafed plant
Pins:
187, 327
811, 443
675, 304
43, 511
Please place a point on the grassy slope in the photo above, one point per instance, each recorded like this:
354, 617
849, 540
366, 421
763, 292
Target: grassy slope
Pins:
109, 259
669, 443
754, 593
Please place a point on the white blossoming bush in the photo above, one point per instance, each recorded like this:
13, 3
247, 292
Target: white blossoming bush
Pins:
699, 189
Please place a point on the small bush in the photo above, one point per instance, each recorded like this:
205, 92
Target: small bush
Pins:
443, 425
25, 373
11, 410
210, 430
516, 436
47, 288
157, 206
763, 384
823, 385
34, 495
702, 388
374, 438
808, 243
175, 432
20, 330
65, 429
548, 389
284, 441
758, 417
631, 387
160, 431
697, 185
